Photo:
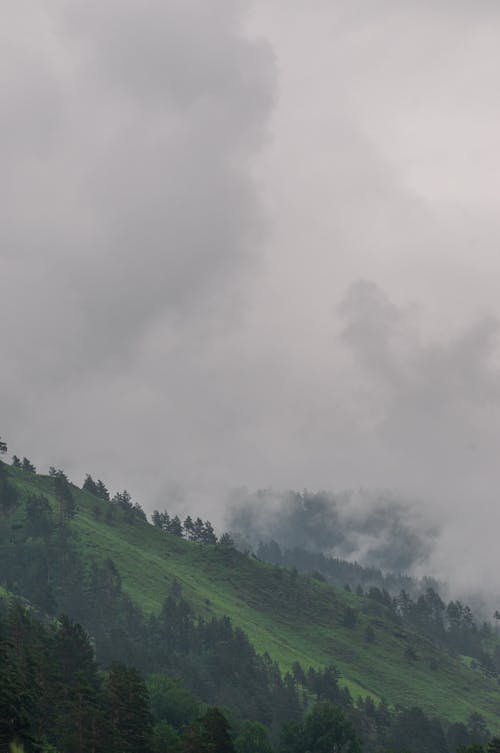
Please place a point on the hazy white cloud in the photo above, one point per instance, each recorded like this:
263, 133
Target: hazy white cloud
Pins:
255, 244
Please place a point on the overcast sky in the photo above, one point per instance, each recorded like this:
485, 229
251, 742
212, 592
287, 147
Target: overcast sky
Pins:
256, 244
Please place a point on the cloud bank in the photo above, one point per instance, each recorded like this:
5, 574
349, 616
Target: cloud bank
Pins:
256, 244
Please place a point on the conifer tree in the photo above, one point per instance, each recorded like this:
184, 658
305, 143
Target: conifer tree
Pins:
175, 526
89, 485
189, 528
64, 497
102, 491
210, 734
129, 710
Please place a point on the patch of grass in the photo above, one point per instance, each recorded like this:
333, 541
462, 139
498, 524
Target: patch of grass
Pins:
292, 617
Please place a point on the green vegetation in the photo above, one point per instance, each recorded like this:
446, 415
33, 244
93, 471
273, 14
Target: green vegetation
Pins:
291, 617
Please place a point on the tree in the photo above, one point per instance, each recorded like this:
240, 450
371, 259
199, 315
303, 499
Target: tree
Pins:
170, 701
413, 730
198, 531
64, 497
210, 734
175, 526
123, 500
39, 515
139, 512
253, 738
78, 685
27, 465
208, 533
16, 462
15, 704
325, 730
57, 473
226, 541
129, 710
8, 493
189, 527
102, 491
165, 738
3, 447
89, 485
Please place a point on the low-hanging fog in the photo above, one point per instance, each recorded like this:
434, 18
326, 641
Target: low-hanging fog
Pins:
250, 244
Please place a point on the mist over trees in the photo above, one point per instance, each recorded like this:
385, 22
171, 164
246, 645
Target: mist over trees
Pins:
379, 531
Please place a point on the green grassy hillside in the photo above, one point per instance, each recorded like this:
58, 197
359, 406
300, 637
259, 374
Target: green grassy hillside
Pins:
292, 617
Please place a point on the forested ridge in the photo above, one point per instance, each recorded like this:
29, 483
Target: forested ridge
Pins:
84, 666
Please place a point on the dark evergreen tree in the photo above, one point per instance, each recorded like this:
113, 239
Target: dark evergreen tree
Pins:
175, 526
189, 528
413, 730
208, 534
57, 473
101, 491
28, 466
226, 541
129, 710
64, 498
8, 494
198, 531
15, 700
210, 734
325, 729
253, 738
78, 716
90, 486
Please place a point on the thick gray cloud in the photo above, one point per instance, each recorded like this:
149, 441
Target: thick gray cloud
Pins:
256, 244
128, 196
127, 200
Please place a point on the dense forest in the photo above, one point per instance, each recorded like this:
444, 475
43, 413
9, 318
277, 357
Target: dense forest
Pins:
82, 667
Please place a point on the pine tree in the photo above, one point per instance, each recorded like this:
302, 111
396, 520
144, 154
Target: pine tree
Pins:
198, 531
129, 710
208, 534
8, 494
77, 713
14, 701
189, 528
64, 497
226, 541
102, 491
175, 526
210, 734
90, 486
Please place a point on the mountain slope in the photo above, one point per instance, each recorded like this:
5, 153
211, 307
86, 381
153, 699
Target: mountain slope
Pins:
292, 617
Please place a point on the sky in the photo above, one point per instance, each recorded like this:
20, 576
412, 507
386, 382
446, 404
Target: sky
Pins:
254, 244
